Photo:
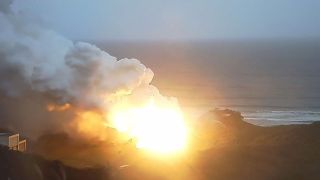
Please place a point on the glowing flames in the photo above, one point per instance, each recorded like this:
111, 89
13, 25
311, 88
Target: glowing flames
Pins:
156, 128
54, 107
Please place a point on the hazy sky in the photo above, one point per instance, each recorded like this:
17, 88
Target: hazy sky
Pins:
177, 19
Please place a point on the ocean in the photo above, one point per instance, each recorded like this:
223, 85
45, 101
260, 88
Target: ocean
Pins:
270, 82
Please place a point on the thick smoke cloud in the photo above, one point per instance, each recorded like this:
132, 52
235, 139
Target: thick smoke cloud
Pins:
35, 61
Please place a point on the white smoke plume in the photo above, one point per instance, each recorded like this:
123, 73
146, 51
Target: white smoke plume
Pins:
44, 61
37, 60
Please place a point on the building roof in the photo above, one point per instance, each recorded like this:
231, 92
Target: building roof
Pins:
4, 132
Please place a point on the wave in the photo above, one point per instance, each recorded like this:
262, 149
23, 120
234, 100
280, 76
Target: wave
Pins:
282, 116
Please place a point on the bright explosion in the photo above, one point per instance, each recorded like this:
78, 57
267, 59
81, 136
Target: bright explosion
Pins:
155, 128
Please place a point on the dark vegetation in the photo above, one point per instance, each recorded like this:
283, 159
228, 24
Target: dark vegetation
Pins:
15, 165
251, 152
224, 147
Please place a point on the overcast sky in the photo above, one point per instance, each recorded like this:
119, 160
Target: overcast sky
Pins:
177, 19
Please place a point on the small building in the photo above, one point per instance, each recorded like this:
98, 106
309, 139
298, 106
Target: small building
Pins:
12, 141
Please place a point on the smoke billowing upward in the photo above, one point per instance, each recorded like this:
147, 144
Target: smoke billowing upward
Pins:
39, 67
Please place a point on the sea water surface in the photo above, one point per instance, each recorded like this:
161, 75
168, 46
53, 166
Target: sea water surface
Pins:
269, 81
